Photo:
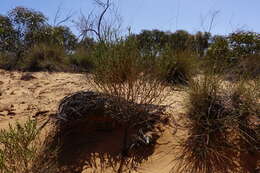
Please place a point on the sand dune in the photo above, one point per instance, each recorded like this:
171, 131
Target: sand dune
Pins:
38, 94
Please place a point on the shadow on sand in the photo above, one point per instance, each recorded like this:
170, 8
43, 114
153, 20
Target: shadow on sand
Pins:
98, 144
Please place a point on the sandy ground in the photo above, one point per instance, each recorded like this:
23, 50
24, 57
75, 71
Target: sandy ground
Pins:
20, 99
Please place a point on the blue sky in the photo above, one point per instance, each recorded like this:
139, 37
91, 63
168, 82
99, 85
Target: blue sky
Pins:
167, 15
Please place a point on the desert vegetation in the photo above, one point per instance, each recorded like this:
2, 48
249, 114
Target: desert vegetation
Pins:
128, 107
19, 147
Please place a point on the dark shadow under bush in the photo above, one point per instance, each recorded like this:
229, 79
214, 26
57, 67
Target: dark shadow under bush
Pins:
89, 135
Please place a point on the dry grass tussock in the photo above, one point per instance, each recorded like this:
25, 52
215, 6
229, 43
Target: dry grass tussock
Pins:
220, 120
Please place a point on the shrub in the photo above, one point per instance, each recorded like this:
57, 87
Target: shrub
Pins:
245, 99
8, 61
18, 147
208, 147
45, 57
80, 60
121, 72
177, 68
2, 166
8, 35
222, 124
247, 67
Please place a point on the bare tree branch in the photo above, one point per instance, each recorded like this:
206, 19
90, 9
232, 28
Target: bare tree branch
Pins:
57, 15
95, 24
105, 6
58, 22
214, 15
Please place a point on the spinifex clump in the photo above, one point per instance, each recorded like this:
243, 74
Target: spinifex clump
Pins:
208, 147
245, 100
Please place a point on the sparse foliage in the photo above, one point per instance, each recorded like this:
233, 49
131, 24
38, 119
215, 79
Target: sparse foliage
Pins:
18, 147
121, 72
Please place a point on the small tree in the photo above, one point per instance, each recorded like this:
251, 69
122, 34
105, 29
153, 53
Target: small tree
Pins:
59, 35
26, 22
8, 35
244, 43
153, 42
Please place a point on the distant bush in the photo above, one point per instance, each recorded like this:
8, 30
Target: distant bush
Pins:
120, 70
80, 60
43, 57
116, 63
24, 29
234, 54
244, 43
59, 35
177, 68
8, 61
19, 147
247, 67
8, 35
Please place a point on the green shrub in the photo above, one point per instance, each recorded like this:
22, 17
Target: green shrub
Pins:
131, 82
247, 67
2, 166
18, 147
10, 60
121, 71
120, 62
244, 43
7, 62
177, 68
80, 60
45, 57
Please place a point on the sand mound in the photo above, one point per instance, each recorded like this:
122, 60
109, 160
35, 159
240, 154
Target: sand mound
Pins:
38, 95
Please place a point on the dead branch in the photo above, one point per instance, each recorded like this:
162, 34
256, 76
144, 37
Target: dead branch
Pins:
87, 24
57, 19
